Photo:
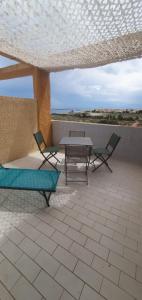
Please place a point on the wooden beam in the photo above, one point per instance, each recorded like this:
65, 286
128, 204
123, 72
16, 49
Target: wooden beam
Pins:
17, 70
11, 57
41, 83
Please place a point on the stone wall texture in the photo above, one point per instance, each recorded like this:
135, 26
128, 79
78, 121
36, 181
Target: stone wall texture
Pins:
18, 121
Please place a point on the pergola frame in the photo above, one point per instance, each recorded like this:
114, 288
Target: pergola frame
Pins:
41, 87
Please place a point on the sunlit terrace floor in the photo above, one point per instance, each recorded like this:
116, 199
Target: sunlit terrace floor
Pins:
87, 245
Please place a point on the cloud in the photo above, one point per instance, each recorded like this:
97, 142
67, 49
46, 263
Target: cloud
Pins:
114, 85
18, 87
120, 82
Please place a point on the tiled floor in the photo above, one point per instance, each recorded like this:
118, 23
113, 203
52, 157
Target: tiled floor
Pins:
87, 245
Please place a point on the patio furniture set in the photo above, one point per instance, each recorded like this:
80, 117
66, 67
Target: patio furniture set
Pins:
78, 149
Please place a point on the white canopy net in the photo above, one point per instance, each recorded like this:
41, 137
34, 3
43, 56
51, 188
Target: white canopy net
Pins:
65, 34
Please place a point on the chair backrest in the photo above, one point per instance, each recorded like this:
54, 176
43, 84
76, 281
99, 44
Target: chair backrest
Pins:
39, 140
113, 142
76, 133
73, 151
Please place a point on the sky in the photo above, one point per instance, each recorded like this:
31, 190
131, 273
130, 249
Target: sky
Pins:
117, 85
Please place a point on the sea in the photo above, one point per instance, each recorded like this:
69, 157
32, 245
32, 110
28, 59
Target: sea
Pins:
65, 110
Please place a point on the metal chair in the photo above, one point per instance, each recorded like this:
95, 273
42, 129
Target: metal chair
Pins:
75, 155
47, 152
105, 153
76, 133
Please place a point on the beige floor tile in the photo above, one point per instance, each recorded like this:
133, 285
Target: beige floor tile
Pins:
4, 295
104, 230
90, 276
62, 240
126, 241
139, 274
45, 229
115, 226
92, 233
76, 236
80, 210
1, 257
23, 290
29, 231
90, 294
67, 296
28, 267
11, 251
111, 291
109, 216
15, 236
122, 263
97, 218
31, 219
82, 253
93, 208
69, 281
133, 256
112, 245
8, 274
131, 286
85, 220
29, 247
62, 227
47, 262
97, 249
44, 216
65, 257
57, 214
140, 247
70, 212
46, 243
106, 269
119, 213
47, 286
105, 205
72, 222
134, 235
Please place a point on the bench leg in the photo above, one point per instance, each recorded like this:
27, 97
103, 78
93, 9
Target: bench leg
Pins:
47, 198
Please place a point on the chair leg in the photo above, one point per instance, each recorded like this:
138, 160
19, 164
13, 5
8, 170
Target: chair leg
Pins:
104, 161
95, 168
47, 159
44, 161
56, 158
92, 162
53, 155
87, 173
107, 165
66, 172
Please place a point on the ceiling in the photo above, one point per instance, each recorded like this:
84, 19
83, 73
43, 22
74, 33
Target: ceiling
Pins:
64, 34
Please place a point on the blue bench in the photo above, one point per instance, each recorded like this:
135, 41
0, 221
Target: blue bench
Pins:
31, 180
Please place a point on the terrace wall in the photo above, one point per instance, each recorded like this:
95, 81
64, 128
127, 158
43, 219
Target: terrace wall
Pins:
129, 148
18, 121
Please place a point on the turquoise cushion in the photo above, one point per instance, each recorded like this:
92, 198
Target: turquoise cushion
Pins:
29, 179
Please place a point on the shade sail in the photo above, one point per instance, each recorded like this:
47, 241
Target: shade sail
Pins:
64, 34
